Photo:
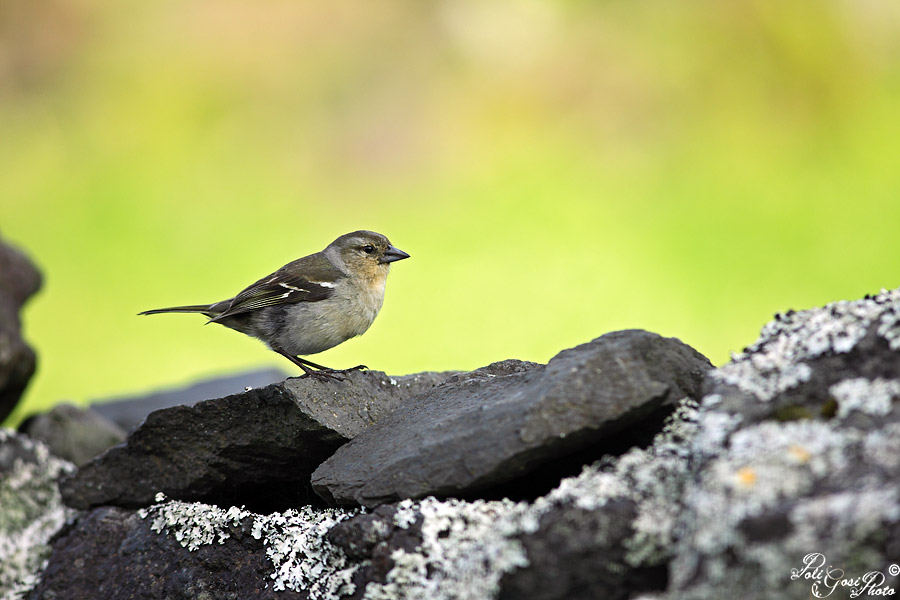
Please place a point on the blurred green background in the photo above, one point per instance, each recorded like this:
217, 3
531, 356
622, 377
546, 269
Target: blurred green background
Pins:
557, 170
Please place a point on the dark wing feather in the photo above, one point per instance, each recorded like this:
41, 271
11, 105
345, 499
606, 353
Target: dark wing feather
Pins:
309, 279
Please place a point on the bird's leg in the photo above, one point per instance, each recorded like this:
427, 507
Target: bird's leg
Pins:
312, 369
328, 369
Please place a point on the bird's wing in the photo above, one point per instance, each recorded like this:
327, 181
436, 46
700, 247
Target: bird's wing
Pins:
309, 279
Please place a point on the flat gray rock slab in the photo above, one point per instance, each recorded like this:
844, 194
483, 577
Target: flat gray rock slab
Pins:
256, 449
498, 423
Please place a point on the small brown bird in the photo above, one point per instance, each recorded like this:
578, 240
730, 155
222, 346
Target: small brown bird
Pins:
313, 303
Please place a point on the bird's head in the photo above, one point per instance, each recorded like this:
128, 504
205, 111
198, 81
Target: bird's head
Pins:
366, 253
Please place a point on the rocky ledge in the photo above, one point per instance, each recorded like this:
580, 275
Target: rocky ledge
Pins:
626, 467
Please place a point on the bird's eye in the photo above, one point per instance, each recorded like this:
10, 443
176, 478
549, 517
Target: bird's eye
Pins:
368, 249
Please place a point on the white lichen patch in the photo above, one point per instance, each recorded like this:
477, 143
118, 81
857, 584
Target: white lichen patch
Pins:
766, 463
769, 468
889, 327
837, 524
656, 477
764, 376
776, 362
713, 429
872, 397
302, 559
882, 448
846, 515
31, 510
194, 524
466, 548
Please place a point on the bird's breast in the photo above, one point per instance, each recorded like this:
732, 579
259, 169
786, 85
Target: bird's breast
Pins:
318, 326
361, 308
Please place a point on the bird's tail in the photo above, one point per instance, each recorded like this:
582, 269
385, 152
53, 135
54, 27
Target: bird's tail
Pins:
193, 308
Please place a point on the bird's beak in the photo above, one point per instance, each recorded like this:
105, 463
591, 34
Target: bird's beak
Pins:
393, 254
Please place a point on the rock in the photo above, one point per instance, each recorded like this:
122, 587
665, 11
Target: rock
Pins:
606, 533
359, 536
797, 456
413, 549
256, 448
128, 412
579, 554
112, 553
19, 280
371, 540
482, 429
788, 466
31, 510
72, 433
609, 532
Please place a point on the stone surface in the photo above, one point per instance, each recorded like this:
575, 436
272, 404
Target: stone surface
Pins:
112, 553
128, 412
197, 551
499, 423
256, 448
789, 463
607, 532
19, 280
31, 510
426, 549
579, 554
72, 433
798, 453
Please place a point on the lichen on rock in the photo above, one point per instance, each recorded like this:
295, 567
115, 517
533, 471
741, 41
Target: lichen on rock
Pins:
771, 485
302, 559
32, 510
466, 548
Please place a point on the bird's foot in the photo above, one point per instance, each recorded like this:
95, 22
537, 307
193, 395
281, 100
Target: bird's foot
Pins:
326, 373
321, 372
322, 375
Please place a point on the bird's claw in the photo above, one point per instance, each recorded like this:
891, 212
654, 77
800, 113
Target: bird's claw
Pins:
334, 374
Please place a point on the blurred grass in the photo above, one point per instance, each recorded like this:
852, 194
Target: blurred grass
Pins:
556, 170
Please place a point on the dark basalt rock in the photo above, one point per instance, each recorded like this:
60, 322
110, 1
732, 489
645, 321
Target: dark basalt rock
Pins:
496, 424
255, 449
128, 412
606, 533
580, 554
111, 553
359, 536
19, 280
371, 540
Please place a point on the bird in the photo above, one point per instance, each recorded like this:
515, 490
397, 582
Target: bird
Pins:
313, 303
